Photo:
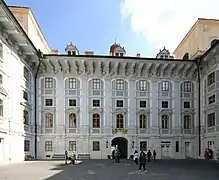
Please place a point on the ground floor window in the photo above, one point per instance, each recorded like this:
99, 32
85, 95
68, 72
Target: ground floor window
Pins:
211, 120
48, 145
26, 145
96, 146
143, 145
72, 145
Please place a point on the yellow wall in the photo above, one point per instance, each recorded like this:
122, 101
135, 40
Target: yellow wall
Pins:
198, 39
29, 24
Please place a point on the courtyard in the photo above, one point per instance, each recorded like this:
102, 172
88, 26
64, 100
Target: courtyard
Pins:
108, 170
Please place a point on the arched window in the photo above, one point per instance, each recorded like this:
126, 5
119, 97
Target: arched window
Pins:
72, 120
49, 120
96, 121
143, 85
186, 56
119, 84
186, 86
214, 41
119, 121
187, 122
165, 86
142, 121
165, 121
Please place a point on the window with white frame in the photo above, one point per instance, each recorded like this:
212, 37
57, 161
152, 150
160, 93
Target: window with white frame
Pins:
186, 104
119, 103
72, 102
72, 83
211, 120
165, 121
96, 145
142, 121
96, 103
26, 145
48, 120
143, 145
48, 146
49, 102
26, 117
143, 104
72, 120
187, 121
164, 104
119, 84
187, 86
72, 145
26, 74
119, 121
211, 78
143, 85
165, 85
48, 82
211, 99
1, 107
96, 83
96, 120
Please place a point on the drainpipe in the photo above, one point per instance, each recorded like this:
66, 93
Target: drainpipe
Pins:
199, 106
35, 103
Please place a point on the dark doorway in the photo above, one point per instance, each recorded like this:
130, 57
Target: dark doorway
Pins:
122, 144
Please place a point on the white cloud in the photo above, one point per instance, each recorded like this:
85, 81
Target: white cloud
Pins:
166, 22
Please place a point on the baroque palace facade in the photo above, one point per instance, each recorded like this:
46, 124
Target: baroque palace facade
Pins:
50, 103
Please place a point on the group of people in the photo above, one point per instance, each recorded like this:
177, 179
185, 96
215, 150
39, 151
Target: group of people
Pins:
72, 158
143, 157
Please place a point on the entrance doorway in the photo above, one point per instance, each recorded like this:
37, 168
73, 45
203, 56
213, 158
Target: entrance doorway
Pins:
188, 149
122, 144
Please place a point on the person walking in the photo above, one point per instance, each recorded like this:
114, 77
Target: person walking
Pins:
142, 161
149, 156
154, 155
117, 156
136, 157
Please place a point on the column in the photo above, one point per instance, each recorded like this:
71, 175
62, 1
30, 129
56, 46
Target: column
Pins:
154, 118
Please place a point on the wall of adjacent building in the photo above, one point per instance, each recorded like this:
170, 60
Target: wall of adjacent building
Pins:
198, 39
13, 132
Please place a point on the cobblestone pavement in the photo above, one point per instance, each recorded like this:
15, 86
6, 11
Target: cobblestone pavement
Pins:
108, 170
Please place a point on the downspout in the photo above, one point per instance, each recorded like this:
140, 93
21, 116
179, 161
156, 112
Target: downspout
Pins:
35, 104
199, 106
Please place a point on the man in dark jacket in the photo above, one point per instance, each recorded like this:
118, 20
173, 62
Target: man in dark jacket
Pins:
142, 161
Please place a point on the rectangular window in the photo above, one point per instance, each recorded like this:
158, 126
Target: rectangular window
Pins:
96, 103
187, 86
143, 85
211, 99
48, 145
72, 83
211, 120
164, 104
73, 53
211, 78
119, 84
49, 102
48, 82
1, 107
117, 54
69, 52
72, 145
96, 146
143, 104
25, 95
26, 117
186, 104
26, 145
121, 54
165, 86
26, 74
119, 103
177, 146
72, 102
143, 145
96, 83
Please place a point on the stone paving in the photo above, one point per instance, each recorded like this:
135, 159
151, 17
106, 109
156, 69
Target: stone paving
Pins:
108, 170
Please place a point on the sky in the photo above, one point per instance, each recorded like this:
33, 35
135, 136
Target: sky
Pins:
141, 26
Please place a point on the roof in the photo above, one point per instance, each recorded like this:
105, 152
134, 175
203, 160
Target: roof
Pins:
210, 49
192, 28
115, 46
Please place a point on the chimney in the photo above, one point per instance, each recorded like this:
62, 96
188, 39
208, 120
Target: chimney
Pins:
138, 55
89, 53
54, 51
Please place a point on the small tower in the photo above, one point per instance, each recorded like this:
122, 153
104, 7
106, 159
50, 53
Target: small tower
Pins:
164, 54
117, 50
71, 50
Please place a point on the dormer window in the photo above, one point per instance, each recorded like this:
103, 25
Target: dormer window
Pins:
73, 53
69, 52
161, 56
117, 54
121, 54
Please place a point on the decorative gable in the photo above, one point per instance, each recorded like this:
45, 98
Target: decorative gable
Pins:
71, 49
